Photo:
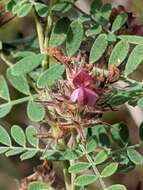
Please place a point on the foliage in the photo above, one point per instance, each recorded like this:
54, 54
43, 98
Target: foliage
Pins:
70, 56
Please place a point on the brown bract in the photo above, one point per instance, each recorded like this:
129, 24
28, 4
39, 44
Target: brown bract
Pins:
43, 173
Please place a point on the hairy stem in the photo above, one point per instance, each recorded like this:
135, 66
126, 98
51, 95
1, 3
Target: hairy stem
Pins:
67, 176
4, 58
18, 101
73, 176
74, 143
40, 32
48, 30
97, 173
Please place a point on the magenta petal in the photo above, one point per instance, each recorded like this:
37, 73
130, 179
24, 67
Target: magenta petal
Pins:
78, 95
91, 97
82, 78
81, 96
74, 96
84, 96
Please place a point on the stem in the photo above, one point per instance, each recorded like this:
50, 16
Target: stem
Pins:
67, 176
73, 176
19, 101
48, 29
4, 58
97, 173
40, 32
74, 143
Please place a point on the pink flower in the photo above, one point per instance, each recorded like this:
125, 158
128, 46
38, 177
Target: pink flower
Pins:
83, 93
82, 78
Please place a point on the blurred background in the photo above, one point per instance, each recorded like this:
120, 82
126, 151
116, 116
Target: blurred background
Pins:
11, 168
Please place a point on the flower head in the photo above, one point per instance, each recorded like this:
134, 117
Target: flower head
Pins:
83, 93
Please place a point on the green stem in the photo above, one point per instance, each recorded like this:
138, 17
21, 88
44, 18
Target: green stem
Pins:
73, 176
74, 143
67, 176
97, 173
48, 28
40, 32
4, 58
19, 101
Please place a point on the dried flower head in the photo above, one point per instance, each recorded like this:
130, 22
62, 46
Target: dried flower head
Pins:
79, 100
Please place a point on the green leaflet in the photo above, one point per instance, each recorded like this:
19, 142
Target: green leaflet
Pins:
133, 39
41, 9
119, 53
135, 156
91, 145
117, 187
27, 64
79, 167
28, 154
20, 83
49, 76
74, 37
30, 134
135, 58
59, 32
110, 169
18, 135
61, 7
119, 21
39, 186
14, 152
96, 6
120, 134
24, 9
84, 180
95, 30
35, 111
4, 137
5, 109
98, 48
101, 157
